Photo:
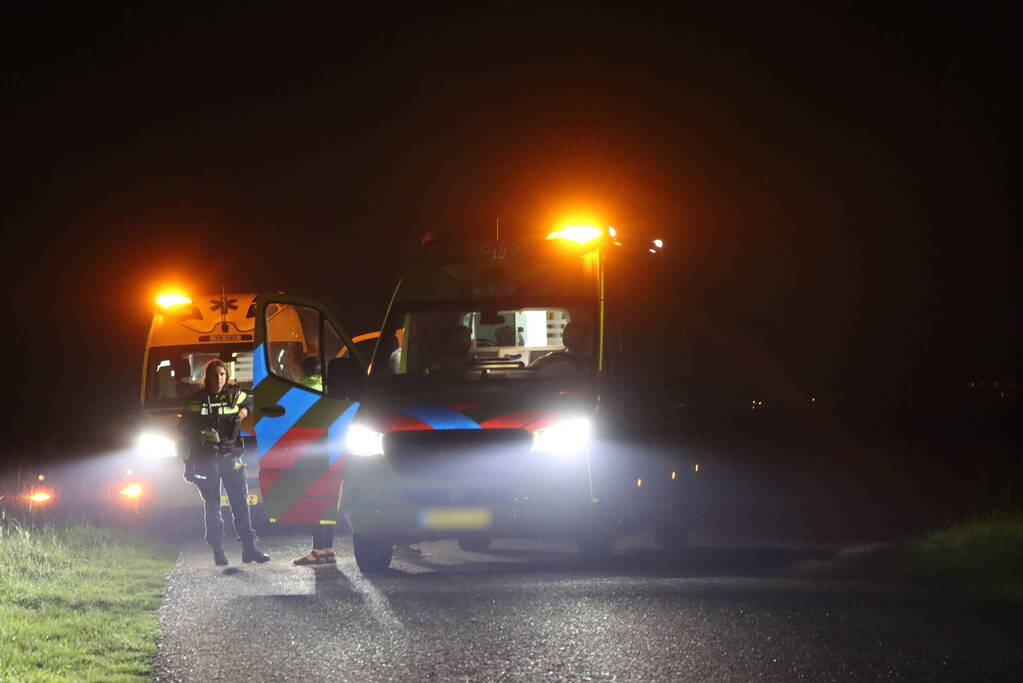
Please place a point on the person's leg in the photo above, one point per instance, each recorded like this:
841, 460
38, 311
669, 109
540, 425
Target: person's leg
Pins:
323, 551
208, 482
237, 494
323, 537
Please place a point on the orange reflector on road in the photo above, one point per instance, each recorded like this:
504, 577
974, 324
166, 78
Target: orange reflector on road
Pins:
132, 490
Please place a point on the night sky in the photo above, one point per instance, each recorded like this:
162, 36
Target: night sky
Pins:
834, 183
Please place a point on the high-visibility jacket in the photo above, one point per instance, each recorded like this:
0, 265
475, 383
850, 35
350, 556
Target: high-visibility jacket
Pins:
219, 412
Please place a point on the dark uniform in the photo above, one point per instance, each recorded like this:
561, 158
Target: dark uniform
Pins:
212, 430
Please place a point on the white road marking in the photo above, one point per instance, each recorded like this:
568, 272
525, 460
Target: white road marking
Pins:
375, 600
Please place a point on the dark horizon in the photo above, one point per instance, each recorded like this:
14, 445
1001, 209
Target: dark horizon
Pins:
834, 183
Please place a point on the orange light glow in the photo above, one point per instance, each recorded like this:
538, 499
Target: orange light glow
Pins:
172, 299
132, 490
580, 234
40, 497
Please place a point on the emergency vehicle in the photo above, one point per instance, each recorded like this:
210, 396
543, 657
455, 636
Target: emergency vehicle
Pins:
520, 387
275, 347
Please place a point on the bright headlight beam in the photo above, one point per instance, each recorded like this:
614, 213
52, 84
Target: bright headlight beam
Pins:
364, 441
155, 446
567, 437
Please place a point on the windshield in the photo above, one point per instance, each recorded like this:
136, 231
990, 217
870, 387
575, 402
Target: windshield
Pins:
528, 338
173, 373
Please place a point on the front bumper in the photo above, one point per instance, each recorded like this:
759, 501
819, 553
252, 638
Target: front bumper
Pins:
534, 495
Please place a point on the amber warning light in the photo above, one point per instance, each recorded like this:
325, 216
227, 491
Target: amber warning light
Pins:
172, 299
580, 234
40, 497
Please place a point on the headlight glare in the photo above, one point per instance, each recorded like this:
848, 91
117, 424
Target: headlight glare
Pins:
567, 437
364, 441
156, 446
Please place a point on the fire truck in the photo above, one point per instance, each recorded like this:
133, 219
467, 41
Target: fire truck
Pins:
275, 347
529, 385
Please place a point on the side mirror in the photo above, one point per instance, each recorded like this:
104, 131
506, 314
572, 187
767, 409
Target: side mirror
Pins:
345, 378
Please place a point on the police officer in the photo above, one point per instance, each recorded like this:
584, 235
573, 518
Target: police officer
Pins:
211, 425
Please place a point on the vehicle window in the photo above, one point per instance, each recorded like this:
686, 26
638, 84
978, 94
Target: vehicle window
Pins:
176, 372
294, 351
444, 338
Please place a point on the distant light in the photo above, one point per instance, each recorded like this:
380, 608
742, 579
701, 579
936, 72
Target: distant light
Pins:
658, 243
639, 482
673, 475
652, 251
580, 234
611, 231
132, 490
696, 467
40, 497
172, 299
41, 477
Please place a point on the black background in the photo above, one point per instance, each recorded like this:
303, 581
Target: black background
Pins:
833, 182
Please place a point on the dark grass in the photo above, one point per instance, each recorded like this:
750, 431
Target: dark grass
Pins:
982, 556
79, 602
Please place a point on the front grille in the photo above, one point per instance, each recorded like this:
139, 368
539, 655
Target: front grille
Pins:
457, 452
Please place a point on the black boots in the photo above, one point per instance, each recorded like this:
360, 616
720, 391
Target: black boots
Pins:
250, 553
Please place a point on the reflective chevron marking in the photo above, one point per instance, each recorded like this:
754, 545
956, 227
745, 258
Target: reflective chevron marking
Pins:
441, 417
295, 403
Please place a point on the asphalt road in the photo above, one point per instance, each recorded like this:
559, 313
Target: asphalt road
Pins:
527, 610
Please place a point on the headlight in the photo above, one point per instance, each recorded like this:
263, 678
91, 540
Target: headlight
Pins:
156, 446
363, 441
567, 437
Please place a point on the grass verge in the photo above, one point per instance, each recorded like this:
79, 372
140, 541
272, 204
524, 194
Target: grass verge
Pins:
79, 603
982, 556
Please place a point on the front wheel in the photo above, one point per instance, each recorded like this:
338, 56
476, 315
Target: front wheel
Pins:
373, 555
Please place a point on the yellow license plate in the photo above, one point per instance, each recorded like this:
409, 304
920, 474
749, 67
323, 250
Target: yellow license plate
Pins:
455, 519
253, 499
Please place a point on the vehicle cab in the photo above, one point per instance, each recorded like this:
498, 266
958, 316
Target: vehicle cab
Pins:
485, 412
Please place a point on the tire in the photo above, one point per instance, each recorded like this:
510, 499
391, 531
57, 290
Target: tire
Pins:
373, 555
474, 544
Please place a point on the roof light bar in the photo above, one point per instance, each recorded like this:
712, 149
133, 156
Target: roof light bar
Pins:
580, 234
172, 299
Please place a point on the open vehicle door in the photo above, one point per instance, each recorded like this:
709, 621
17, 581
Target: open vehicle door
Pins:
300, 431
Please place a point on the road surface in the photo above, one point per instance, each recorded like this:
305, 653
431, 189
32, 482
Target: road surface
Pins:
528, 610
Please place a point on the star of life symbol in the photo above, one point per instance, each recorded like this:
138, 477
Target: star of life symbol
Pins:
500, 249
223, 304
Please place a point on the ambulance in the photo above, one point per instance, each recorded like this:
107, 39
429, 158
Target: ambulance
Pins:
275, 347
522, 385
